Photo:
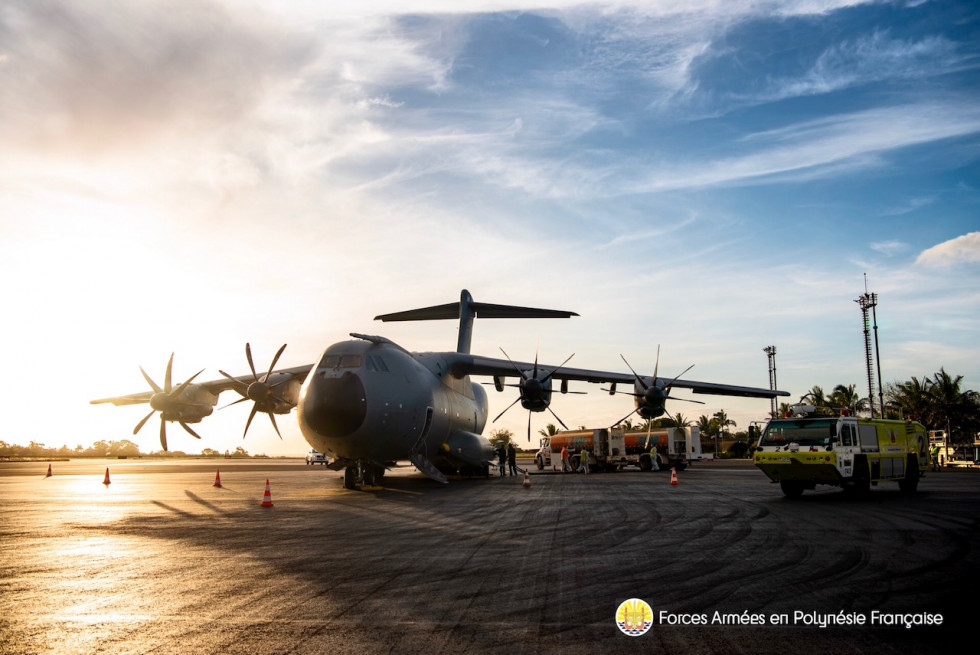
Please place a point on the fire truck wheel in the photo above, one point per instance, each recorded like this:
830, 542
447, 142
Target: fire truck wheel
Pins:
539, 462
911, 481
791, 488
862, 478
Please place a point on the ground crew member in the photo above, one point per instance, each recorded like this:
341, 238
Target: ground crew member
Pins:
565, 466
653, 458
934, 452
512, 458
502, 460
583, 459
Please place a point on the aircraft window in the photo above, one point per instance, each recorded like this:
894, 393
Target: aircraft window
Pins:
350, 361
381, 365
330, 361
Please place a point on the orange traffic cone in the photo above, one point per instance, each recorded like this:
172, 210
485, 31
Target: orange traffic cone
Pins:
49, 472
106, 481
217, 477
267, 498
527, 480
673, 476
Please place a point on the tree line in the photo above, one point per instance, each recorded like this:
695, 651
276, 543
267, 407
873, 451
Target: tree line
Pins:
123, 448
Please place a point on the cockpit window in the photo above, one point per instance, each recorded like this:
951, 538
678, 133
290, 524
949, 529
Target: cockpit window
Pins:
350, 361
804, 432
340, 361
375, 363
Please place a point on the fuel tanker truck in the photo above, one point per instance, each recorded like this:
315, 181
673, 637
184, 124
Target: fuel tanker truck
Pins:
805, 449
612, 449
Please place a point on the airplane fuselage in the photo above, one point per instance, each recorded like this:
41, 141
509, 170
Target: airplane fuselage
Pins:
371, 400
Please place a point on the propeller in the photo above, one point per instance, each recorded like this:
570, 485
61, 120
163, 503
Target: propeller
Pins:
535, 391
261, 393
651, 402
167, 400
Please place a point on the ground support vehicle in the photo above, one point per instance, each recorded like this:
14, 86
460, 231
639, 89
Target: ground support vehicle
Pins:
805, 450
314, 457
613, 449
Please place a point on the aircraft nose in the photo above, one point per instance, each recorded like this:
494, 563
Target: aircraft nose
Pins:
335, 406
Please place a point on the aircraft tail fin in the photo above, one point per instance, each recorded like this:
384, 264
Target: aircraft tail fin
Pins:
466, 310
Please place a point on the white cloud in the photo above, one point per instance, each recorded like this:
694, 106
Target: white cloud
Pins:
889, 248
963, 249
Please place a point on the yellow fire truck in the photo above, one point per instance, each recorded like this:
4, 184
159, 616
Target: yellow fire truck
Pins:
806, 449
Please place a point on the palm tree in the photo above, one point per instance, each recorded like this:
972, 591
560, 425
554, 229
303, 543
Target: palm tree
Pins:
913, 398
681, 420
723, 420
847, 397
549, 430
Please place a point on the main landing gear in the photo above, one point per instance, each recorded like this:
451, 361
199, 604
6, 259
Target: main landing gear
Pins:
365, 474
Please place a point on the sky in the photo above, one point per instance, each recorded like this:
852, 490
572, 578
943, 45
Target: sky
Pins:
710, 177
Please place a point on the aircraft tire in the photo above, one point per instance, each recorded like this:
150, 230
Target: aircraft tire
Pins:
350, 477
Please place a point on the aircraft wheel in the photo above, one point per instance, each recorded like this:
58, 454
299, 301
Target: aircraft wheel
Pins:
350, 477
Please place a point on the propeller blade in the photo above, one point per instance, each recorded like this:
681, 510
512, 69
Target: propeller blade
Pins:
656, 365
170, 367
508, 407
163, 433
678, 377
519, 371
237, 382
255, 408
562, 423
273, 364
143, 422
153, 384
638, 378
627, 416
185, 384
272, 417
189, 431
248, 356
240, 400
548, 377
529, 427
687, 400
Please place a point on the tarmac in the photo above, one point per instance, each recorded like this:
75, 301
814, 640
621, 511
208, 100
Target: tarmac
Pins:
162, 561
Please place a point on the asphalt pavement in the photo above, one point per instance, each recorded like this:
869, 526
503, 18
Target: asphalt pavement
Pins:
162, 561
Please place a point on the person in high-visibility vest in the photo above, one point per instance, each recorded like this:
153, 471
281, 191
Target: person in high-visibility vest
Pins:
583, 459
653, 458
934, 452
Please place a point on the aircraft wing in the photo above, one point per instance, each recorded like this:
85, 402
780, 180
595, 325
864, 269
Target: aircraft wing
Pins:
490, 366
214, 386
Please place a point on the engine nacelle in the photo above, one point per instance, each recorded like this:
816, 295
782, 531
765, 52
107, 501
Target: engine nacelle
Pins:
189, 406
535, 392
651, 402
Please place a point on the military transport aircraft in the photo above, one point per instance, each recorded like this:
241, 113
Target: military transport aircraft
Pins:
369, 402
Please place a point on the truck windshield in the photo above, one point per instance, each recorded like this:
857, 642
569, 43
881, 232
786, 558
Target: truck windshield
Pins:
806, 432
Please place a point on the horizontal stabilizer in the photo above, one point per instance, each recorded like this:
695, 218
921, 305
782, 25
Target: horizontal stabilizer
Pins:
480, 310
468, 309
